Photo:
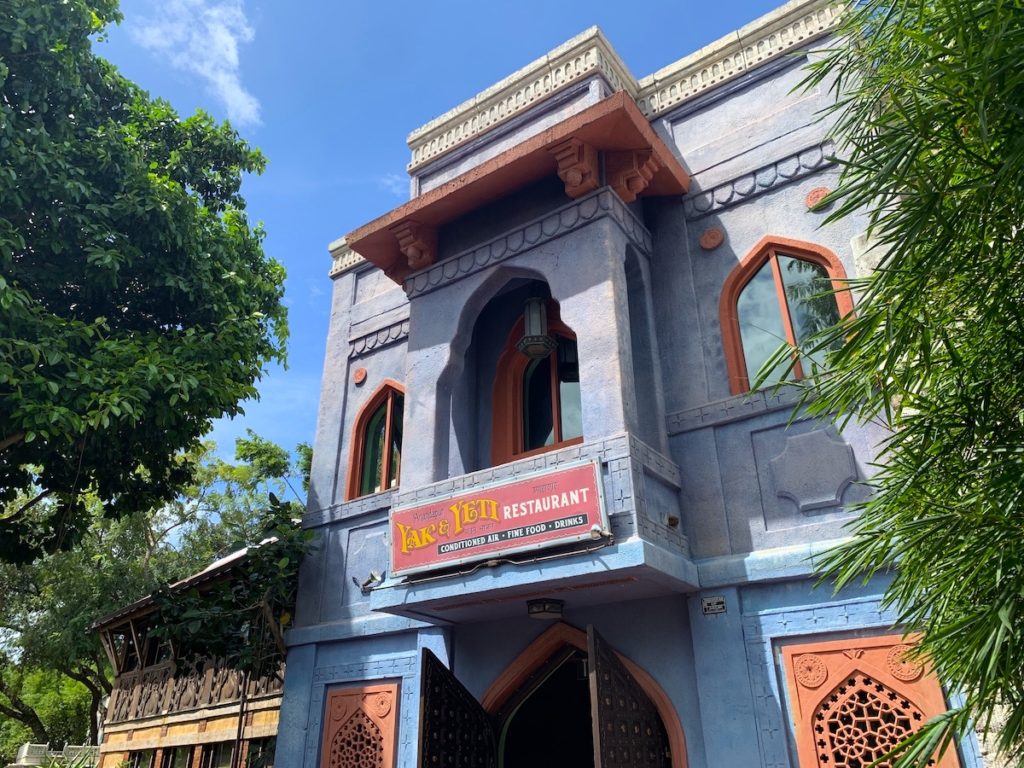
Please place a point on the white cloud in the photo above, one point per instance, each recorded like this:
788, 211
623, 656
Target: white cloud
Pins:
395, 183
202, 37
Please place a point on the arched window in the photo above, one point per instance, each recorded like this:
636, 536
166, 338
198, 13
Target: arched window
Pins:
536, 401
779, 293
376, 456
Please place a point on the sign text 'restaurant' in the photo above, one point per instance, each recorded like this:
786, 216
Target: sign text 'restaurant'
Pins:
542, 510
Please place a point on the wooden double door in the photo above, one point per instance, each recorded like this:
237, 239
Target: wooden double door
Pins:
577, 710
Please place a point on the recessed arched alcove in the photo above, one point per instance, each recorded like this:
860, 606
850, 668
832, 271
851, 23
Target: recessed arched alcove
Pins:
486, 376
547, 666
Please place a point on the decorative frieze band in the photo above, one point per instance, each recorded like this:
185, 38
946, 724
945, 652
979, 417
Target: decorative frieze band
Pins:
775, 34
767, 177
583, 55
597, 205
381, 338
726, 411
789, 27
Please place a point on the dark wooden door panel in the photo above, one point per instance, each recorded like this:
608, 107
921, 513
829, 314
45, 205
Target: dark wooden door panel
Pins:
628, 732
455, 730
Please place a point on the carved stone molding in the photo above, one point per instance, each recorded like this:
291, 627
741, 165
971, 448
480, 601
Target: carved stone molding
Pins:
343, 258
588, 54
577, 167
378, 503
417, 243
597, 205
727, 411
813, 198
771, 176
813, 470
767, 38
630, 172
711, 238
810, 670
584, 55
901, 665
381, 338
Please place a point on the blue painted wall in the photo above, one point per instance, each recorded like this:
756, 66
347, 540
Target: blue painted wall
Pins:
754, 496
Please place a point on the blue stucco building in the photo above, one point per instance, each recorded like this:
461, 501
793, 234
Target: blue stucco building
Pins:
554, 524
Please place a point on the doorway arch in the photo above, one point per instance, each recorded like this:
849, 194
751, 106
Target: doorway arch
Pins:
553, 639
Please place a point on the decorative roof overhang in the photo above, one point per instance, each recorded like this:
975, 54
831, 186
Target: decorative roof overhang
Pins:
636, 162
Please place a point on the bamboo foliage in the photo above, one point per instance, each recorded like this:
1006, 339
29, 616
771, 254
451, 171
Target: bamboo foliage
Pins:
929, 115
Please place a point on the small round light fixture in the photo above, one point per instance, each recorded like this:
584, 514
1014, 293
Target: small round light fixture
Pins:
536, 343
544, 608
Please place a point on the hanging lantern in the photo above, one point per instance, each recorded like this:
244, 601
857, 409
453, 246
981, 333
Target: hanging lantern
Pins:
536, 343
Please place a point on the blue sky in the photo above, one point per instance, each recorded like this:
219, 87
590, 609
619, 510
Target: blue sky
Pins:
329, 90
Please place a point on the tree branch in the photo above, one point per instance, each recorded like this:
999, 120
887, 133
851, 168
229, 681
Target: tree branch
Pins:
23, 713
82, 678
11, 440
26, 507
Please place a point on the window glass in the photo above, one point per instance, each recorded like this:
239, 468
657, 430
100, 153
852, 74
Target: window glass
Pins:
812, 306
261, 753
760, 318
570, 408
379, 464
218, 755
538, 423
394, 469
141, 759
177, 757
373, 453
182, 757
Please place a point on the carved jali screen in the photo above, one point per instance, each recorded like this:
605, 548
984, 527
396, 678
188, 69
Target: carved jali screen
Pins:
853, 700
359, 727
628, 732
454, 729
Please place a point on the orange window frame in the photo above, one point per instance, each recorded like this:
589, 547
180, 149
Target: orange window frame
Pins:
507, 434
768, 250
385, 393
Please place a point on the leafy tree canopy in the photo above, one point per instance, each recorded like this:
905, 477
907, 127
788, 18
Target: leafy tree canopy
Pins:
48, 606
930, 115
136, 303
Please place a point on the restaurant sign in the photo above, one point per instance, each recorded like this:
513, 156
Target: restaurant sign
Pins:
529, 512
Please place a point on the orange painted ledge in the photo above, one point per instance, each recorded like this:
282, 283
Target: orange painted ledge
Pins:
615, 124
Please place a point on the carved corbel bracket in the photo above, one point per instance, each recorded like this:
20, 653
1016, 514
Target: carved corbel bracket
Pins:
630, 171
418, 243
577, 167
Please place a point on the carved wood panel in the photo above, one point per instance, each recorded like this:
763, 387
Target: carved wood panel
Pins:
454, 729
167, 688
359, 727
853, 700
628, 732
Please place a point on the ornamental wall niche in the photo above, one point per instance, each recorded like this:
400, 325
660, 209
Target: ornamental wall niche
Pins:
851, 701
359, 727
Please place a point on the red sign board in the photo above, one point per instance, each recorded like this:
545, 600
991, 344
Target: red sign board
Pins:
539, 510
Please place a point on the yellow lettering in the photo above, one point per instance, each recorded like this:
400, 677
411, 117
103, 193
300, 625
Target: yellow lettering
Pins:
415, 538
468, 512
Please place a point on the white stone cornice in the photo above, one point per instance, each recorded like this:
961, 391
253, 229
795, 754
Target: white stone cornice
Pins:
784, 29
343, 258
768, 37
583, 55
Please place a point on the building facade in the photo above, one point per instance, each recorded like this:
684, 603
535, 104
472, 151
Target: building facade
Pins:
555, 524
169, 712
